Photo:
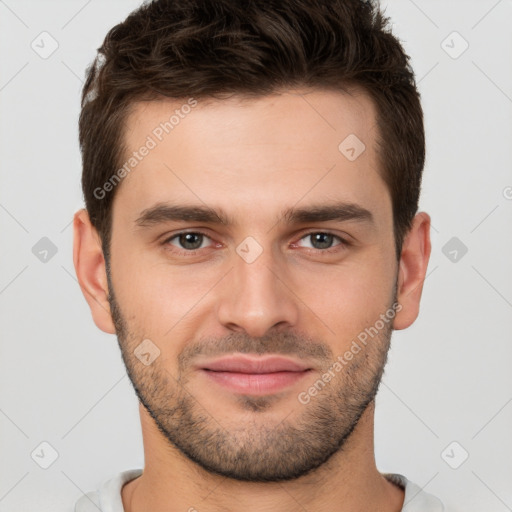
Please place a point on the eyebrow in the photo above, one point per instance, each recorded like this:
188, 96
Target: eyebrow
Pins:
165, 212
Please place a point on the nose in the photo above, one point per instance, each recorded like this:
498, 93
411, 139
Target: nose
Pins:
256, 297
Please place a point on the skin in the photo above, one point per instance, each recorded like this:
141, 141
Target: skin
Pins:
253, 158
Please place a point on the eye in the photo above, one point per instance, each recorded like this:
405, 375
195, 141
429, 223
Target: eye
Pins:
188, 241
322, 241
191, 241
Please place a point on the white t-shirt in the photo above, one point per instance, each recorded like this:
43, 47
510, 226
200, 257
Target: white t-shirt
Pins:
108, 497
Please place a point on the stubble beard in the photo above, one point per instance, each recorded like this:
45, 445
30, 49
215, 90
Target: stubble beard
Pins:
256, 450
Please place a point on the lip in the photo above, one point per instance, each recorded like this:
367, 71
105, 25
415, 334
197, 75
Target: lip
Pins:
248, 364
255, 375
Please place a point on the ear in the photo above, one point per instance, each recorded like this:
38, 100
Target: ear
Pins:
413, 267
90, 270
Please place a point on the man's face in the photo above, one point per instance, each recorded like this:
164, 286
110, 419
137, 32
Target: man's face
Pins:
245, 317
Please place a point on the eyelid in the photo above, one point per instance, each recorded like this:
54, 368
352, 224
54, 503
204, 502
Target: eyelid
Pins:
168, 239
343, 241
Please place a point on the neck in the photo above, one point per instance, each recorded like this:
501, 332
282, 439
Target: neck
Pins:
348, 481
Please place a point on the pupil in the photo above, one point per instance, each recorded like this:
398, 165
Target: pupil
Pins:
193, 240
322, 240
187, 240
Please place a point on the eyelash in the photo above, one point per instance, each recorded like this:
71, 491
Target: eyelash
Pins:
343, 243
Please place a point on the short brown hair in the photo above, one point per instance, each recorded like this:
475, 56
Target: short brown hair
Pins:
210, 48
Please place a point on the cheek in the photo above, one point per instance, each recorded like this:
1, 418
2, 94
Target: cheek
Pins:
348, 299
171, 302
161, 298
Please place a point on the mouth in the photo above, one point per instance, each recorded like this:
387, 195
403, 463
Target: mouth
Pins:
255, 375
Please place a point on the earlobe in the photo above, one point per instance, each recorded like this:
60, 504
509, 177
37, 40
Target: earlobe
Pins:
413, 267
90, 270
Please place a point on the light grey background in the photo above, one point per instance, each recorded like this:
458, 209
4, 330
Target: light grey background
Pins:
448, 380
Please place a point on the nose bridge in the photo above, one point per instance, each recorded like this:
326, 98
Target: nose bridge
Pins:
254, 298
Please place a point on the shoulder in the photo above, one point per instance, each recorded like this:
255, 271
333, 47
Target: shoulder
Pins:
89, 502
108, 497
415, 499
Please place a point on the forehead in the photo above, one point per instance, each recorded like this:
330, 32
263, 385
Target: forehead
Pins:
236, 152
295, 116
